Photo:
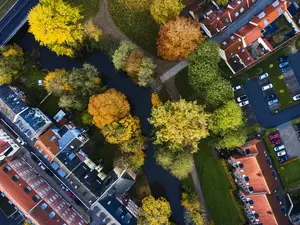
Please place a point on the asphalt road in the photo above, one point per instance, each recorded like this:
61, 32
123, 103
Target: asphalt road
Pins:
15, 19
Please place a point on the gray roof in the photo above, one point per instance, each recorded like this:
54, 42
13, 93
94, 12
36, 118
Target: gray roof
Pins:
32, 118
12, 98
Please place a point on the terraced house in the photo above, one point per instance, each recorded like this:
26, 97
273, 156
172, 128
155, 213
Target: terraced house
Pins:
265, 32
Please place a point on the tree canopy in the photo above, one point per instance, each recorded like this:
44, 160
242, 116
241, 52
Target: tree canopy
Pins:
179, 124
154, 211
164, 10
222, 2
178, 38
108, 107
57, 25
192, 206
57, 82
232, 139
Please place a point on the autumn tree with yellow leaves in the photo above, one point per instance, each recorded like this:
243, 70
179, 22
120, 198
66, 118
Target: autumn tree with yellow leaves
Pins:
193, 208
178, 38
57, 82
154, 211
164, 10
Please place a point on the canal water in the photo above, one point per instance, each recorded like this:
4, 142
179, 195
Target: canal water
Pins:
161, 182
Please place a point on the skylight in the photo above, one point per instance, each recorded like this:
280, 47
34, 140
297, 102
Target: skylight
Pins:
261, 15
275, 4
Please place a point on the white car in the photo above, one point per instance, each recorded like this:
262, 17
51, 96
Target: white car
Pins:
273, 101
296, 97
263, 76
281, 153
237, 88
42, 166
242, 98
21, 141
266, 87
279, 148
242, 104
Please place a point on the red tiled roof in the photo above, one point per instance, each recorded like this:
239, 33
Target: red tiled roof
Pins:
250, 33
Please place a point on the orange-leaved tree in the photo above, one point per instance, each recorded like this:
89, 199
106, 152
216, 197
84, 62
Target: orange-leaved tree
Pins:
108, 107
178, 38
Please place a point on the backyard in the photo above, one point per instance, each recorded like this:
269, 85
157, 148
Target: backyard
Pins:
289, 171
223, 207
5, 5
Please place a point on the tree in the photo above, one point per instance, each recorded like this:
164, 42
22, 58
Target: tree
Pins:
164, 10
193, 208
179, 124
155, 101
222, 2
92, 31
133, 62
86, 118
178, 38
27, 222
137, 5
146, 72
232, 139
11, 63
108, 107
208, 51
154, 211
226, 118
136, 144
121, 54
57, 82
218, 93
121, 131
57, 25
70, 102
134, 161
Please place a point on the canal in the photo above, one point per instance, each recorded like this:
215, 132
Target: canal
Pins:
161, 182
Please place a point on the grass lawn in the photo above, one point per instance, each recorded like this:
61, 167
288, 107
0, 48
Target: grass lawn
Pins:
89, 7
216, 186
289, 172
5, 5
182, 84
140, 27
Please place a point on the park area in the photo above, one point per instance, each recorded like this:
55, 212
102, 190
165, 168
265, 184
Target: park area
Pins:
5, 5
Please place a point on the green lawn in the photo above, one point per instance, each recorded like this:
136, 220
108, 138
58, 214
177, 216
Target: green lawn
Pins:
5, 5
89, 7
289, 172
182, 84
140, 27
216, 187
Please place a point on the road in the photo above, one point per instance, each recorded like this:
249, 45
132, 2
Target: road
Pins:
15, 19
242, 20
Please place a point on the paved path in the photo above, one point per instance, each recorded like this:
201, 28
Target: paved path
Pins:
243, 19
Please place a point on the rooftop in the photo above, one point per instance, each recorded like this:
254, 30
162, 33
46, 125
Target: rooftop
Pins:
13, 98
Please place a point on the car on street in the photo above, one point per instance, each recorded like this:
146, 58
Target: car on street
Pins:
281, 153
266, 87
279, 148
281, 65
276, 141
41, 166
242, 104
263, 76
242, 98
286, 68
271, 97
282, 59
237, 88
272, 102
282, 159
21, 141
296, 97
274, 136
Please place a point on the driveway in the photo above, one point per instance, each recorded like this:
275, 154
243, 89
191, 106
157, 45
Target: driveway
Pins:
242, 20
290, 139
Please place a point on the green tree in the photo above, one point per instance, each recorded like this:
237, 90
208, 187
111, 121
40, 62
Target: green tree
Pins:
133, 161
154, 211
232, 139
222, 2
86, 118
121, 54
57, 25
135, 144
227, 118
192, 206
145, 74
208, 51
57, 82
164, 10
70, 102
179, 124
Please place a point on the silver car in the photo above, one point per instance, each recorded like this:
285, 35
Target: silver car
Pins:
265, 75
266, 87
279, 148
273, 101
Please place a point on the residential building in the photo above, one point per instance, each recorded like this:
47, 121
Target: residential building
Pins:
8, 147
31, 121
259, 185
217, 19
34, 198
264, 33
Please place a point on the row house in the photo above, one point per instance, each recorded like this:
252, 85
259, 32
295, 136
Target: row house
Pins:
264, 33
217, 19
259, 185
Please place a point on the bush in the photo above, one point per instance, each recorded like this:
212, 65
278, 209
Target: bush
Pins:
259, 70
287, 50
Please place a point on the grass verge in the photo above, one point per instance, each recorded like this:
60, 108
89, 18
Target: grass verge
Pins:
216, 187
140, 27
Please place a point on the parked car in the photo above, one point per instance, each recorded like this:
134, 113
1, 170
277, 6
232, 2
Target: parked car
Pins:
21, 141
286, 68
298, 133
273, 101
281, 153
237, 88
296, 97
266, 87
274, 136
281, 65
271, 97
242, 98
276, 141
242, 104
282, 59
278, 148
41, 166
282, 159
263, 76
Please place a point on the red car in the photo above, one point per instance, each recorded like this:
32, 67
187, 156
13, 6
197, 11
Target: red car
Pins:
274, 136
276, 141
